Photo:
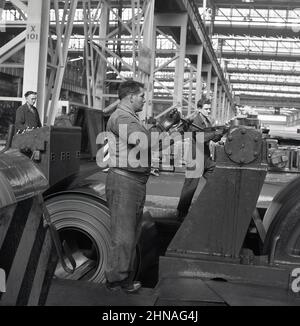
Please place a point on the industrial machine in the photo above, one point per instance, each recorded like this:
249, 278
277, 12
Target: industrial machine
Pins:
212, 245
75, 203
27, 255
213, 257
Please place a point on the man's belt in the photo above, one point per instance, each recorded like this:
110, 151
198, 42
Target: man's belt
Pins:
140, 177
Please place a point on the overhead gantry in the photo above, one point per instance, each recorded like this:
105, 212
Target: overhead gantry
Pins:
279, 18
258, 43
144, 39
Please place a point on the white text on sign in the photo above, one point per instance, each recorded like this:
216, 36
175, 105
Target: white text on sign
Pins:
33, 33
295, 281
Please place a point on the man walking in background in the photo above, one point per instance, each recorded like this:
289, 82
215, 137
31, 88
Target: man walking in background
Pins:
27, 116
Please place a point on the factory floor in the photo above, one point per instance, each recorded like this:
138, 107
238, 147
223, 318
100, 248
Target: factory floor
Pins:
79, 293
181, 291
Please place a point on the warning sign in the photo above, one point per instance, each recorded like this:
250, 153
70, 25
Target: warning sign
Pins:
33, 33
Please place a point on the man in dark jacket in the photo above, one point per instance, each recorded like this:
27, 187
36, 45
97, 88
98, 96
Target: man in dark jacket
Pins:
27, 116
201, 117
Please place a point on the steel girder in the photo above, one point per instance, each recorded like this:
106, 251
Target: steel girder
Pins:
257, 4
267, 101
255, 81
236, 22
85, 16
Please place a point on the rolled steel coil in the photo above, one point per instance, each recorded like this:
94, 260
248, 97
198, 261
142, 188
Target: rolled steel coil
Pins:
88, 216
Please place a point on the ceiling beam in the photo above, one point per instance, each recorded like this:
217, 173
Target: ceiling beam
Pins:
263, 72
260, 56
263, 82
94, 3
264, 4
265, 101
281, 91
223, 29
197, 25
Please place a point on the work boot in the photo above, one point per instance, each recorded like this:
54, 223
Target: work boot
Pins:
113, 286
128, 287
131, 287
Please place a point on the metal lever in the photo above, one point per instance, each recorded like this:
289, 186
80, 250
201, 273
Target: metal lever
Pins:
63, 251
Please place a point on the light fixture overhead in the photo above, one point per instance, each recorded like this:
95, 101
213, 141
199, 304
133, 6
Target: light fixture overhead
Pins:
75, 59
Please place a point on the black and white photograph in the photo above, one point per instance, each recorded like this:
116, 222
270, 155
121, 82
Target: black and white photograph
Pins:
149, 156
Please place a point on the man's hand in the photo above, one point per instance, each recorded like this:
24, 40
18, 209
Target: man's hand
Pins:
226, 128
186, 124
218, 134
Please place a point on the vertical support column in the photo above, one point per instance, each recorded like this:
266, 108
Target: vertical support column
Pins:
232, 111
177, 20
149, 44
223, 118
41, 89
212, 22
179, 71
32, 47
88, 53
197, 50
62, 64
219, 106
199, 75
204, 11
102, 67
215, 98
208, 79
19, 87
191, 80
2, 25
134, 34
226, 110
228, 115
35, 58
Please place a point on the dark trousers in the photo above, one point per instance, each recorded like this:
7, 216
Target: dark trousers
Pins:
190, 185
126, 199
